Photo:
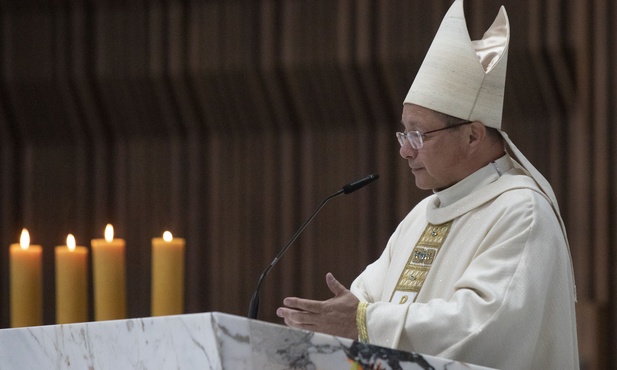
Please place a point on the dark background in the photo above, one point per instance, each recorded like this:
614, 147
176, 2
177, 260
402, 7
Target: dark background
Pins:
227, 122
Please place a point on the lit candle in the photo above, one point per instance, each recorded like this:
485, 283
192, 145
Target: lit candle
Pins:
71, 282
109, 274
26, 283
167, 275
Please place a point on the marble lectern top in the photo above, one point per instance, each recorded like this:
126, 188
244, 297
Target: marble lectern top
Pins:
197, 341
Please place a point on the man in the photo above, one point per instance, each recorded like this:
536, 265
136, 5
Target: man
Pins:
479, 271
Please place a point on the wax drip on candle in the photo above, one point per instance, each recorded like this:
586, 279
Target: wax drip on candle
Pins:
24, 239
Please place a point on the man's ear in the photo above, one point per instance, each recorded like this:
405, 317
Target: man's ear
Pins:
477, 133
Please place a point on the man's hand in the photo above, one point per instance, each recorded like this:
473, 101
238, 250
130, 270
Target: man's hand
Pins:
336, 316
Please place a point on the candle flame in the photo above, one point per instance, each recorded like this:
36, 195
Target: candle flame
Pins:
70, 242
167, 236
109, 233
24, 240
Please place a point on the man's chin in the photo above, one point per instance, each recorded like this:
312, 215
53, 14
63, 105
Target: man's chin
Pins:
421, 184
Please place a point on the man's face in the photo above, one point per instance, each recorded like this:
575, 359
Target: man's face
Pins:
438, 163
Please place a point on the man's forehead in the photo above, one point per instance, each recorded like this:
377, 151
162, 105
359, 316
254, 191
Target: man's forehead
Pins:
417, 115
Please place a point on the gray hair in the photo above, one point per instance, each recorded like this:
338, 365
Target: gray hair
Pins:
449, 120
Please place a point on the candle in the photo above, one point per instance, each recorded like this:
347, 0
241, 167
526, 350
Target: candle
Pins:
71, 282
167, 275
26, 283
109, 274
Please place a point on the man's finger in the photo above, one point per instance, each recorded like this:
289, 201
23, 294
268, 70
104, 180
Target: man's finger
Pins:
295, 318
334, 285
303, 304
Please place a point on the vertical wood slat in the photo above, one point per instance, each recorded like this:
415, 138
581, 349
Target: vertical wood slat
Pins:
602, 148
611, 303
578, 214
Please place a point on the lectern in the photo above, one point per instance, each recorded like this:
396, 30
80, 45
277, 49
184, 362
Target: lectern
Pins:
197, 341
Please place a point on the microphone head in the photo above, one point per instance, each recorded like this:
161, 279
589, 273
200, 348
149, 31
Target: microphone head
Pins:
355, 185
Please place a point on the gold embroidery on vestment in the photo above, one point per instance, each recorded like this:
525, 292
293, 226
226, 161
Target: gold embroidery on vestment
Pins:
416, 270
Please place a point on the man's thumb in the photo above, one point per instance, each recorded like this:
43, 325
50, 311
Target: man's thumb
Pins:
335, 287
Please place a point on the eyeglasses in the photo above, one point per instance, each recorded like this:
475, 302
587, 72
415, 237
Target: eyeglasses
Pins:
416, 138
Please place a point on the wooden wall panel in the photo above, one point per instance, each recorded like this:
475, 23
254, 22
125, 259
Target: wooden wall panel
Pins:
228, 122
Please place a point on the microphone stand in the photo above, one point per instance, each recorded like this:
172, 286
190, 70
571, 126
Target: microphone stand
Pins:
254, 307
347, 189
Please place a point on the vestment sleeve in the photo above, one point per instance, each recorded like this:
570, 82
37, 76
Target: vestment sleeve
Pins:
369, 285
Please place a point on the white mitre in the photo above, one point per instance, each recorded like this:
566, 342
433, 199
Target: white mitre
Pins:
466, 79
461, 77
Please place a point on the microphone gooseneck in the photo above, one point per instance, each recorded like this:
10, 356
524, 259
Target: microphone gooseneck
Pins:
349, 188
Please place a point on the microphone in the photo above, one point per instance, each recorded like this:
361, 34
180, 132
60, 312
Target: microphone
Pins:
353, 186
347, 189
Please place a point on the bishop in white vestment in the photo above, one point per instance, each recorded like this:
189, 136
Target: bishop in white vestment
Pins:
480, 271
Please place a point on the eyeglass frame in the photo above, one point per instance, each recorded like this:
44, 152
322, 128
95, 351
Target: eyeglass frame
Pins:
401, 136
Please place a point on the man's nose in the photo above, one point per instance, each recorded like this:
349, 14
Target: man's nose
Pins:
407, 151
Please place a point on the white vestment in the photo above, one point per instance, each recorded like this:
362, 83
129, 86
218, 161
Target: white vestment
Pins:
500, 292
